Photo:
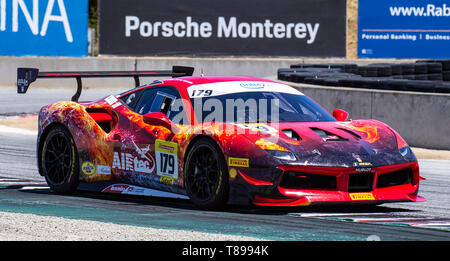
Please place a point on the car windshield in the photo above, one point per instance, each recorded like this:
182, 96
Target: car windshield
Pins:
258, 107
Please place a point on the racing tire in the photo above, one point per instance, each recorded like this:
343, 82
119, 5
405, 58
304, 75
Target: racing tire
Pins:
435, 77
59, 161
407, 68
420, 68
434, 67
396, 69
206, 175
445, 65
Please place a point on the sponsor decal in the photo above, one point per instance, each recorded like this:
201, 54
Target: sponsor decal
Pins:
166, 180
88, 168
115, 105
361, 196
22, 82
238, 162
142, 161
167, 160
118, 188
122, 188
252, 85
102, 169
363, 169
362, 164
233, 173
223, 88
113, 101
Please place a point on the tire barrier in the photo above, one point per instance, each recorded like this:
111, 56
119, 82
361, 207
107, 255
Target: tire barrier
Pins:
422, 76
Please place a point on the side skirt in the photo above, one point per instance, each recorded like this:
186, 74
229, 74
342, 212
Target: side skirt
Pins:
127, 189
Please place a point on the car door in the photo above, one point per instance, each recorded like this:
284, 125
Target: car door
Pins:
145, 154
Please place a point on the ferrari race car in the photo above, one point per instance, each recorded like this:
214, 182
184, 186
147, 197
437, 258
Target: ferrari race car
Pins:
218, 140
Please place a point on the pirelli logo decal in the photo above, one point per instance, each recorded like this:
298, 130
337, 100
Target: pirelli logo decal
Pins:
238, 162
361, 196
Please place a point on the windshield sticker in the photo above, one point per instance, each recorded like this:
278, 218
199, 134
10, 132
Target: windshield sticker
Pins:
222, 88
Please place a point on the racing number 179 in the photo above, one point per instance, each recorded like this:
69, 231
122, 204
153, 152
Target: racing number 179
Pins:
199, 93
167, 160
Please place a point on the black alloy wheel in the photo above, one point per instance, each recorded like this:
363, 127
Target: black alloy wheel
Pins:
59, 160
206, 175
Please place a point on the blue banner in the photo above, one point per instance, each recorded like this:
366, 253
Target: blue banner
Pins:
404, 29
44, 27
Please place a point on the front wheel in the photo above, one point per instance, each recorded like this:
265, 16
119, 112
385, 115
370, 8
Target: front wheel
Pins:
59, 160
206, 175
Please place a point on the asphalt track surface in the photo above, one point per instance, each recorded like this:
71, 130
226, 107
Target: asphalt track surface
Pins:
22, 190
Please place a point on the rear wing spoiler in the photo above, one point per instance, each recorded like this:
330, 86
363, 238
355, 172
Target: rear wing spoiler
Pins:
25, 76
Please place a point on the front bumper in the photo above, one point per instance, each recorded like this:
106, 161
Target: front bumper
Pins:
300, 185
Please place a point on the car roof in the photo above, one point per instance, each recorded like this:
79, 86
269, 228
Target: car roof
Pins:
193, 80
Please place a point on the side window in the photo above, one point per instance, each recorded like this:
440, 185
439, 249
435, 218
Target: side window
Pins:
145, 103
162, 103
165, 100
131, 99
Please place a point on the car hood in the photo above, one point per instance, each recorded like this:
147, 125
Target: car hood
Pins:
358, 143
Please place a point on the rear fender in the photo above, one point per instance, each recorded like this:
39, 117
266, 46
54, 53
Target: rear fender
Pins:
89, 137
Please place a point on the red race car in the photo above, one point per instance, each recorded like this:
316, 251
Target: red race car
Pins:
217, 140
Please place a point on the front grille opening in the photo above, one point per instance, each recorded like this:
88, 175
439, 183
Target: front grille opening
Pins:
360, 182
298, 180
399, 177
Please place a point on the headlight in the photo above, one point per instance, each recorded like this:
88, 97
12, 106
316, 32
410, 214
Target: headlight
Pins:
283, 155
405, 151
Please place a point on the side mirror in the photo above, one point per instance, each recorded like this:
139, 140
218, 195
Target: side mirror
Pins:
160, 119
340, 115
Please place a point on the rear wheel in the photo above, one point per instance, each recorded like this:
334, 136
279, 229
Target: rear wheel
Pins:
59, 160
206, 174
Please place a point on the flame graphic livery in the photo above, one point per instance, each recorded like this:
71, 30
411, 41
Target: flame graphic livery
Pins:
122, 145
370, 130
